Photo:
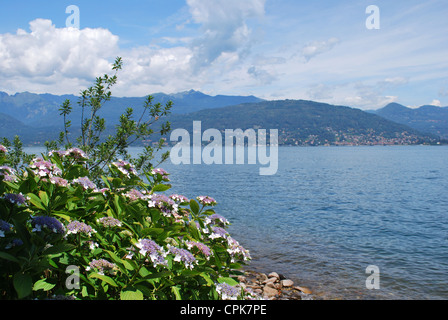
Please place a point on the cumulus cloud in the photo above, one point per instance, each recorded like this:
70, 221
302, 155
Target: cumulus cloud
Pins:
224, 28
47, 50
318, 47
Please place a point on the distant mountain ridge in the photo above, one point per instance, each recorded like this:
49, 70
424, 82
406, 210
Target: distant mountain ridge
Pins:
427, 118
41, 110
302, 122
35, 117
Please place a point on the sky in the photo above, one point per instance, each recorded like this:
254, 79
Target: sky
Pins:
338, 52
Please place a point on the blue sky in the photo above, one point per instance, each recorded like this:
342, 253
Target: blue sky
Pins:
273, 49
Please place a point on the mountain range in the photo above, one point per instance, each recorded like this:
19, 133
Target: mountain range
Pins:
35, 118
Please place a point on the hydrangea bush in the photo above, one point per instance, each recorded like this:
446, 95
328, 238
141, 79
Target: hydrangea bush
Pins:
64, 236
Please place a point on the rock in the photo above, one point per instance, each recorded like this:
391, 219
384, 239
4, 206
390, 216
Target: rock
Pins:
269, 292
271, 285
274, 275
287, 283
303, 289
272, 280
241, 278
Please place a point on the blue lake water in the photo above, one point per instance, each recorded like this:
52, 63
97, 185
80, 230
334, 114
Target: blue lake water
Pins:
329, 212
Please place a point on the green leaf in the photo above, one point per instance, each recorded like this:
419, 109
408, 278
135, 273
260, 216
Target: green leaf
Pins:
194, 206
35, 200
44, 197
9, 257
43, 285
59, 248
104, 278
228, 280
176, 292
131, 295
23, 284
161, 187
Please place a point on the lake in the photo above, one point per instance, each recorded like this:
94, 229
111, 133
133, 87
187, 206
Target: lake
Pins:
330, 212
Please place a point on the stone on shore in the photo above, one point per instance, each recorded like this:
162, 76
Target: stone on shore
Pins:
287, 283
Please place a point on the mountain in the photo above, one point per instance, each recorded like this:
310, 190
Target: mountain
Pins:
302, 122
41, 110
427, 118
299, 122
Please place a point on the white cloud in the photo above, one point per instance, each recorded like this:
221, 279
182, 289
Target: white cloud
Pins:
436, 103
224, 28
318, 47
48, 56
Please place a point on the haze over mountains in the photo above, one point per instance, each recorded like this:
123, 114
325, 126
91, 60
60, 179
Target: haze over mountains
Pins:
35, 118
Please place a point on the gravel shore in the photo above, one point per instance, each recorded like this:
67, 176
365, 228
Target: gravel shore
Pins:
274, 286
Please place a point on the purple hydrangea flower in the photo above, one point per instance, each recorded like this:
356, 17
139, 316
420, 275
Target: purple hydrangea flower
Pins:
162, 172
101, 265
4, 228
109, 222
228, 292
153, 250
164, 203
45, 168
134, 194
59, 181
236, 250
183, 255
218, 232
75, 227
44, 222
8, 174
179, 198
205, 250
217, 219
206, 200
16, 198
125, 167
85, 183
14, 243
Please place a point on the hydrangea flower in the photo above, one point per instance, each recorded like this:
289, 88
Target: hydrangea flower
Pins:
164, 203
101, 265
109, 222
75, 227
16, 198
205, 250
134, 194
162, 172
216, 219
179, 198
4, 228
44, 222
8, 174
218, 232
228, 292
85, 183
236, 250
14, 243
125, 167
206, 200
152, 250
59, 181
183, 255
45, 168
74, 153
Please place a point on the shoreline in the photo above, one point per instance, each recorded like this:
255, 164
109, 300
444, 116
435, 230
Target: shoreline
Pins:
274, 286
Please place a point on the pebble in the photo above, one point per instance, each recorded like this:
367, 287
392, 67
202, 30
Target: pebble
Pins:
273, 286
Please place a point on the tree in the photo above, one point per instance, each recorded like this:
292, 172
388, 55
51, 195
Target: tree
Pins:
102, 150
